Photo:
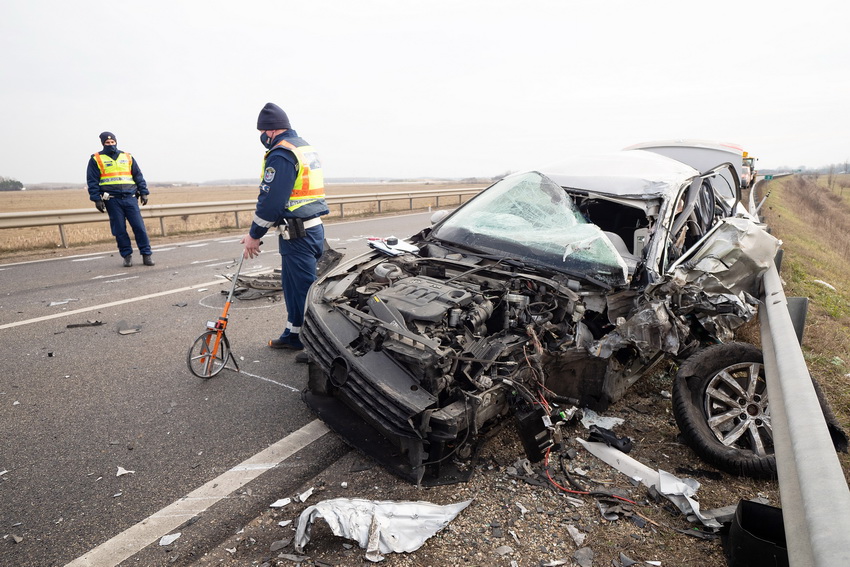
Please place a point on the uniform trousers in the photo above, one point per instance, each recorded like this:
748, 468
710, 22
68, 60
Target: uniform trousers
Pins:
299, 258
123, 210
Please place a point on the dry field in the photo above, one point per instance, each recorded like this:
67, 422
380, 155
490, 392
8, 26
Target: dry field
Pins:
813, 221
14, 242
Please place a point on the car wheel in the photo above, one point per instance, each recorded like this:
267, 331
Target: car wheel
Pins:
720, 404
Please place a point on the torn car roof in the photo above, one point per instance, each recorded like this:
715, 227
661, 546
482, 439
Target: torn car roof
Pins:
636, 174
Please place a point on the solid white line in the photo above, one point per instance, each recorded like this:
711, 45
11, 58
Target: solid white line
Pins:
134, 539
221, 280
112, 304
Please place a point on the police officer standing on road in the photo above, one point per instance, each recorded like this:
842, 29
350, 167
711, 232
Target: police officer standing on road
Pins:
292, 198
115, 182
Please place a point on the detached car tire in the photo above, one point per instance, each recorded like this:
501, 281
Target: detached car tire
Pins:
720, 403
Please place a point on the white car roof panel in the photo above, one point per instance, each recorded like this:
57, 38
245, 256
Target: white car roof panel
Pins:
634, 174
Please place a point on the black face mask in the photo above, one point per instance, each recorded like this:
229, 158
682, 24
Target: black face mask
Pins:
111, 150
266, 141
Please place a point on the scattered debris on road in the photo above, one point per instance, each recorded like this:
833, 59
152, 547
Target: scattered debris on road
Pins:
169, 539
125, 328
88, 323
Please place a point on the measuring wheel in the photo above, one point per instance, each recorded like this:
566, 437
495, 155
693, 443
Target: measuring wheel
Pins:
210, 352
208, 355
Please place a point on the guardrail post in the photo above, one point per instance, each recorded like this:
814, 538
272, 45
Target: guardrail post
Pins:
162, 225
411, 203
236, 216
380, 208
342, 210
62, 236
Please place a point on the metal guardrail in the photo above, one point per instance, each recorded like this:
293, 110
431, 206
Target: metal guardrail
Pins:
815, 496
61, 218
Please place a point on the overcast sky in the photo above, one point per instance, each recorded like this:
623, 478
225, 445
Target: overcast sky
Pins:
395, 88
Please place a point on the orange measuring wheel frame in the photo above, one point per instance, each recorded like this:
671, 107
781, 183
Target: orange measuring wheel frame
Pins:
210, 352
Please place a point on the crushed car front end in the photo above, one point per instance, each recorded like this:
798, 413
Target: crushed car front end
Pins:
545, 291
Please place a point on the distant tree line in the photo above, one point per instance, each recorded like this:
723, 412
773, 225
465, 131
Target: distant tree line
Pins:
9, 184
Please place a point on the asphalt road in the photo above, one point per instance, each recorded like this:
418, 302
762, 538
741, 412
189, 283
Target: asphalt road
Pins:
79, 404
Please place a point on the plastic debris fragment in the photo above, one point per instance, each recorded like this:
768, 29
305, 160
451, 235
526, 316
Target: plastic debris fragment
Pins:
169, 539
305, 495
680, 492
125, 328
577, 536
584, 557
280, 503
122, 471
590, 417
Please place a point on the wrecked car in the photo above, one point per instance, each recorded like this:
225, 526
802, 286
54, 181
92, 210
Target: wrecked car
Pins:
551, 288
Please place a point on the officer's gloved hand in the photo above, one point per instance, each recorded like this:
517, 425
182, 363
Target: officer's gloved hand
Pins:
101, 206
144, 199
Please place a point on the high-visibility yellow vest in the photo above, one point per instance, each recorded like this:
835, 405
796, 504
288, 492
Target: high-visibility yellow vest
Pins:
310, 182
117, 171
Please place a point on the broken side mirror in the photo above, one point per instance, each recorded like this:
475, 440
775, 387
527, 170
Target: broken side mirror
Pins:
438, 217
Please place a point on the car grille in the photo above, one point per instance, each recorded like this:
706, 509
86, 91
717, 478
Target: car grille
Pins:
377, 388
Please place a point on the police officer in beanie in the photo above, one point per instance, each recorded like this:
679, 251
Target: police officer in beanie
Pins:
292, 199
115, 183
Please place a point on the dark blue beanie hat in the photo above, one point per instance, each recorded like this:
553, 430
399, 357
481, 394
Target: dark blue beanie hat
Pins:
272, 117
106, 136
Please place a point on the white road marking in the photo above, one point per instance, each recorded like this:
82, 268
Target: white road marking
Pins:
134, 539
228, 263
109, 276
88, 259
205, 261
111, 304
122, 279
287, 386
219, 281
201, 245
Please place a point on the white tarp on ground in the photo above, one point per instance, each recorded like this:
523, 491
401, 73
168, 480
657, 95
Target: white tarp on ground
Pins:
378, 526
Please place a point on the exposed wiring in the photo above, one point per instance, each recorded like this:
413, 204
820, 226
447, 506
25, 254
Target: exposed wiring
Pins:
584, 492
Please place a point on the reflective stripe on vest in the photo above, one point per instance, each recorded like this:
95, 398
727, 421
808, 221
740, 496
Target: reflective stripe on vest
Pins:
310, 181
118, 171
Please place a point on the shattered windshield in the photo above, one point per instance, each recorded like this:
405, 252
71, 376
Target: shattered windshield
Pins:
529, 216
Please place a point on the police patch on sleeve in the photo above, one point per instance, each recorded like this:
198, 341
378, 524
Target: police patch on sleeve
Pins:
268, 176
